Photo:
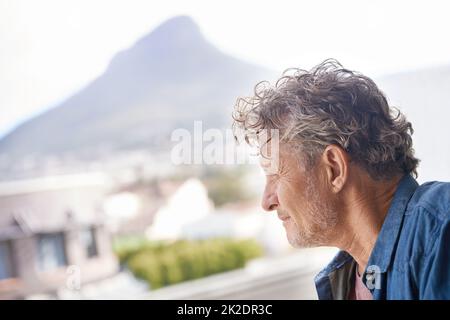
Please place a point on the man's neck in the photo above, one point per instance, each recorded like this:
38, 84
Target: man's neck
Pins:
366, 205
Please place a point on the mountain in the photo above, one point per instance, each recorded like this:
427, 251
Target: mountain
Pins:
174, 76
166, 80
424, 96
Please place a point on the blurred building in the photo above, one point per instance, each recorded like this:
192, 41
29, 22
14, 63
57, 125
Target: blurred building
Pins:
171, 210
240, 221
53, 236
131, 207
159, 209
186, 204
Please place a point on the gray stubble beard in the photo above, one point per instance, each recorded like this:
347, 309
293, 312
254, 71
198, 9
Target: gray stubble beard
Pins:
324, 218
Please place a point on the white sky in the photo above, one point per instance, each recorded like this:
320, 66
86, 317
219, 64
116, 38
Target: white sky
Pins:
51, 48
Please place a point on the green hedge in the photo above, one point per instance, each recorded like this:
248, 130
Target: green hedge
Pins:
162, 264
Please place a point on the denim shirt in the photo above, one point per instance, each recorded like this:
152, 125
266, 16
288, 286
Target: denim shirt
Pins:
411, 256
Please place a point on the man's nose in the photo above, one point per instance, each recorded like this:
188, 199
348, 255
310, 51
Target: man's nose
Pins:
269, 199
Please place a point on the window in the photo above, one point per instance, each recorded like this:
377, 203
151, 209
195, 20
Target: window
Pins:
51, 250
6, 263
89, 242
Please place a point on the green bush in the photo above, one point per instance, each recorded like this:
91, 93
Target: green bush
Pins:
162, 264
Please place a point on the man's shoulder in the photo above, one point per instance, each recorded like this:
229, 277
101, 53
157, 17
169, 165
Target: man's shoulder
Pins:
431, 200
426, 217
423, 238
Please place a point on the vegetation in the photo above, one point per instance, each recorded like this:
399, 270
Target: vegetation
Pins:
227, 185
162, 264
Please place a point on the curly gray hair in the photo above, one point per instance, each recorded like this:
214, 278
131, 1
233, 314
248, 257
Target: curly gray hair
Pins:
331, 105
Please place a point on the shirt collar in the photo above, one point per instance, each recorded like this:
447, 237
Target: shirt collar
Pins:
322, 280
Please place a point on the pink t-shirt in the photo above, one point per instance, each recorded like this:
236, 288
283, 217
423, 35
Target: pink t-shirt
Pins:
359, 290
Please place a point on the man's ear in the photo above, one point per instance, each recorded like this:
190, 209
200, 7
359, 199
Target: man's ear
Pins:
336, 163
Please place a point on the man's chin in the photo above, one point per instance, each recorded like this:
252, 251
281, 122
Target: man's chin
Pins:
300, 241
301, 244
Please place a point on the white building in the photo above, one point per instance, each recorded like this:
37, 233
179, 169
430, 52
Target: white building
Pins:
189, 203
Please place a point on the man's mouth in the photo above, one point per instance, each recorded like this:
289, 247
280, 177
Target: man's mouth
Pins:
284, 218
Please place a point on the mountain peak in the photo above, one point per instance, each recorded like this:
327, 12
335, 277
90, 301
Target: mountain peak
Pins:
179, 29
175, 35
177, 23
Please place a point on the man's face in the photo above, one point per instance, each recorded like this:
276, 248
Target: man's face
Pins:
305, 206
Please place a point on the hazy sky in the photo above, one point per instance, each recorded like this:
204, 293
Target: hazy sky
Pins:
51, 48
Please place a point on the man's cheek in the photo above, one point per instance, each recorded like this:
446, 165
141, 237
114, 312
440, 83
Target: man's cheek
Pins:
282, 197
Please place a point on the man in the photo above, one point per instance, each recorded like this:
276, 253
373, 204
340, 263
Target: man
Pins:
345, 178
